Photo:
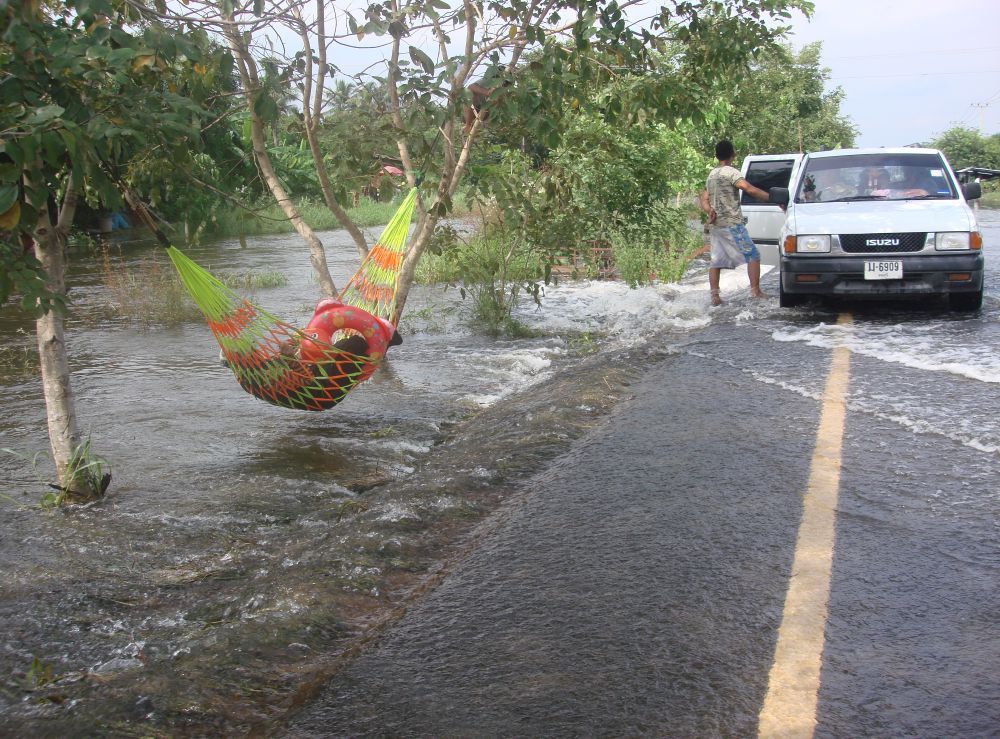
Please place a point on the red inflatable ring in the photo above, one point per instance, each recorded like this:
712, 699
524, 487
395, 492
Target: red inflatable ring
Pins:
332, 316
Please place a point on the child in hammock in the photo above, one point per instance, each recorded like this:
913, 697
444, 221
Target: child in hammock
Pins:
310, 353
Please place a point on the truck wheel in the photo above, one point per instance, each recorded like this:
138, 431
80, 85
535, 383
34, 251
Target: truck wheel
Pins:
966, 301
786, 300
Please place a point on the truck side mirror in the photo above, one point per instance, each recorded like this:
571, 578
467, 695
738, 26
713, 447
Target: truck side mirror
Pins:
778, 195
972, 190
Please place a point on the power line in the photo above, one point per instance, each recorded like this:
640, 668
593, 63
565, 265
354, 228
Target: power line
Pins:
921, 54
912, 74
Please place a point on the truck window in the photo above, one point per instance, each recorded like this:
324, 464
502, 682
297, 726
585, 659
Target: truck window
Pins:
766, 175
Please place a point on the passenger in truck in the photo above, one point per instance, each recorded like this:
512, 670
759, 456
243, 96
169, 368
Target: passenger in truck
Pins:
874, 181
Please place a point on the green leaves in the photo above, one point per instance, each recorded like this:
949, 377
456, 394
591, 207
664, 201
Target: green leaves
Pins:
264, 106
43, 115
84, 95
8, 196
22, 274
421, 59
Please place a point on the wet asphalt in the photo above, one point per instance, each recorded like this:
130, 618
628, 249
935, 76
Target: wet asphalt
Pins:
636, 587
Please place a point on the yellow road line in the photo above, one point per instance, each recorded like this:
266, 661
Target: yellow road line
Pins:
793, 685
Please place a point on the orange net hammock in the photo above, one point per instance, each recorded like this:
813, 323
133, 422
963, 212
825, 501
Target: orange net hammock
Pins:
311, 368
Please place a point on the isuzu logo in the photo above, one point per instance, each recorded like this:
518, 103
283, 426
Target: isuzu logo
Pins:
882, 242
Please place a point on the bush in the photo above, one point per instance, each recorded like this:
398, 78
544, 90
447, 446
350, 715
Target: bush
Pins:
495, 268
658, 249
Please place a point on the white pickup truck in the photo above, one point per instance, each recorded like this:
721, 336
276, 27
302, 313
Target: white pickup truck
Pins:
869, 223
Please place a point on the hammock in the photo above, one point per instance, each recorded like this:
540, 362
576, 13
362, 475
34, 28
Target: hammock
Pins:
263, 351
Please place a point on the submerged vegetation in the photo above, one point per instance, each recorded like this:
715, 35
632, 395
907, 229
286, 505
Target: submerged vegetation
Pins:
19, 360
658, 249
150, 293
494, 268
88, 479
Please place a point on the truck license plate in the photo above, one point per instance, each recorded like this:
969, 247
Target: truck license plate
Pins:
884, 269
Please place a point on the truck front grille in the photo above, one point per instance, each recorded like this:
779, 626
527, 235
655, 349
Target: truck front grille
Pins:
882, 243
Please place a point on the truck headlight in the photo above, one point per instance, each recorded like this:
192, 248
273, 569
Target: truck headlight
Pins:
813, 244
956, 241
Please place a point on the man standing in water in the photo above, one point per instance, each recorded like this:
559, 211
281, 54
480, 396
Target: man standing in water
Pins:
731, 243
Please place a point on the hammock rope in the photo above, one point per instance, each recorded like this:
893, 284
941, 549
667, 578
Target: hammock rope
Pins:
262, 350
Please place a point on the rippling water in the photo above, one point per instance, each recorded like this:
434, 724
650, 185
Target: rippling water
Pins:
237, 533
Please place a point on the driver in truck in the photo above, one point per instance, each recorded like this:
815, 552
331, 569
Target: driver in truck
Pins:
731, 243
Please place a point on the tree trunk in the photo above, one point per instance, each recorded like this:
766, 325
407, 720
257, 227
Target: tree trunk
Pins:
451, 175
258, 136
317, 255
64, 434
331, 202
425, 229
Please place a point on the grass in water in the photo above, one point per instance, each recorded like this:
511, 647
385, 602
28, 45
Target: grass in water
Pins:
253, 280
151, 293
19, 361
89, 476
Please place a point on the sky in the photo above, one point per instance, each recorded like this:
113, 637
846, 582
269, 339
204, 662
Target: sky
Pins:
910, 69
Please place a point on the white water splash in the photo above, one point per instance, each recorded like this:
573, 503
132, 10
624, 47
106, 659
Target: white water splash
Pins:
917, 347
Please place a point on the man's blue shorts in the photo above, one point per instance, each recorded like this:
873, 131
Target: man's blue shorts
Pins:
744, 243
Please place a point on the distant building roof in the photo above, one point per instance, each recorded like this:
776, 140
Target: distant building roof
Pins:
967, 174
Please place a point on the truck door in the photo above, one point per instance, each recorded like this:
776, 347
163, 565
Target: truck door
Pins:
764, 220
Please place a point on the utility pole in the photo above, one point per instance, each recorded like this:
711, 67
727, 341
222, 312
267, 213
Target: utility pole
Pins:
981, 107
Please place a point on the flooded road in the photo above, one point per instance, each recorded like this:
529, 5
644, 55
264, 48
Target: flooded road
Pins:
645, 456
637, 585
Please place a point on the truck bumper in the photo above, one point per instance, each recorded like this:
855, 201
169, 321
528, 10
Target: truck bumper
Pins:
841, 276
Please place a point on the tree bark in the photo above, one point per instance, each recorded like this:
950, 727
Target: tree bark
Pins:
64, 433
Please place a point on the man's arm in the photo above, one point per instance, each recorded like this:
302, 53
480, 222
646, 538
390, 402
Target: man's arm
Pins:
707, 207
755, 192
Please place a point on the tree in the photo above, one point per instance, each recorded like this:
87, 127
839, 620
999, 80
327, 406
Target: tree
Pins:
965, 147
81, 93
564, 47
189, 187
536, 56
781, 106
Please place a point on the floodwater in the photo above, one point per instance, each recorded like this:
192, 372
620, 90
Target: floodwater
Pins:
237, 533
636, 586
244, 547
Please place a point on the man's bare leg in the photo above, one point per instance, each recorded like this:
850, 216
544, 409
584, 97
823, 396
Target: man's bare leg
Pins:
753, 269
713, 284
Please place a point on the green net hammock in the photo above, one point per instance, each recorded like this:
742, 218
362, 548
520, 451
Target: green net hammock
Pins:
311, 368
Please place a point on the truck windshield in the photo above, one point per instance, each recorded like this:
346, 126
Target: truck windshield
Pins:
875, 177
